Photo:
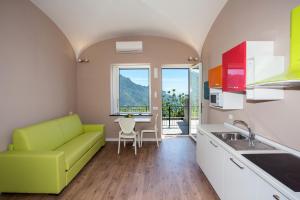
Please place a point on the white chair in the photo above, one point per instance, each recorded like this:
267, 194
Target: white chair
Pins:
155, 131
127, 132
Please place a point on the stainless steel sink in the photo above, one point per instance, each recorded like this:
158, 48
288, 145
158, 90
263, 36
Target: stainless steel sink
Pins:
240, 142
230, 136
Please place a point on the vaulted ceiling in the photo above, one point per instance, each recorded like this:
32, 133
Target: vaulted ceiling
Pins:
85, 22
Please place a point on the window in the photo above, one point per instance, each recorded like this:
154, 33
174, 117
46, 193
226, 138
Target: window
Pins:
130, 88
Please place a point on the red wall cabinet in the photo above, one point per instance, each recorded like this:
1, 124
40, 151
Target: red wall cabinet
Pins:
235, 61
234, 69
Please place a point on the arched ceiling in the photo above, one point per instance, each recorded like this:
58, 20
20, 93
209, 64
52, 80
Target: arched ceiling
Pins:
85, 22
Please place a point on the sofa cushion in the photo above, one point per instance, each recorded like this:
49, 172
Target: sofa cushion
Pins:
78, 146
42, 136
71, 127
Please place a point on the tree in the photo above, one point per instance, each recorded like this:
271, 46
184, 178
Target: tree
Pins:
173, 104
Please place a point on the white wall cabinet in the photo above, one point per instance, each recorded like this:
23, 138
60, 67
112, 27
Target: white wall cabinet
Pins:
260, 68
231, 179
227, 100
264, 94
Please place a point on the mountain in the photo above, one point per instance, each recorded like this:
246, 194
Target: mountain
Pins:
132, 94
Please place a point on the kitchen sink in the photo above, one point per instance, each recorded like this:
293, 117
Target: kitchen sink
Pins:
240, 142
229, 136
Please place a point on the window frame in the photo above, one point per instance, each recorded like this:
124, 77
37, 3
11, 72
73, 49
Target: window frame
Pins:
115, 85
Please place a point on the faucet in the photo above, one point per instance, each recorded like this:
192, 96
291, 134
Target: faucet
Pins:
251, 134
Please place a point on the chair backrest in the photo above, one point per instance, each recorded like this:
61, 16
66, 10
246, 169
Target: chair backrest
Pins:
127, 125
155, 125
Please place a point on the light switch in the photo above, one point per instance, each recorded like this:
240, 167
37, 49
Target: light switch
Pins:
155, 75
154, 108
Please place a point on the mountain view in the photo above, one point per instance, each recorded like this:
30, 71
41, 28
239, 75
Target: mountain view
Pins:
132, 94
135, 95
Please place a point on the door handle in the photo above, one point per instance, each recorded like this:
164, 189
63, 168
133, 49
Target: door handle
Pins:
213, 144
239, 166
275, 196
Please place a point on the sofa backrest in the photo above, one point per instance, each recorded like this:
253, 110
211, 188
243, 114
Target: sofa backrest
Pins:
71, 126
47, 135
42, 136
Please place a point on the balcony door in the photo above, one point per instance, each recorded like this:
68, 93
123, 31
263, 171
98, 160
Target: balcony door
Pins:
181, 100
195, 83
175, 100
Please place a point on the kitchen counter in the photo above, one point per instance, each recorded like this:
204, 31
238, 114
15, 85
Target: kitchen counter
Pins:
208, 128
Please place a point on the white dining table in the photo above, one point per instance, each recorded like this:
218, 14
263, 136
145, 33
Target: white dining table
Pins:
137, 119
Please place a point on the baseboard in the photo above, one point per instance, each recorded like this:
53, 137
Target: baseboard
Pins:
144, 139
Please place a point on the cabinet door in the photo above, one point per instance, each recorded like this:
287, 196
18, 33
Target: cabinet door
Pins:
238, 180
201, 151
215, 170
215, 77
234, 69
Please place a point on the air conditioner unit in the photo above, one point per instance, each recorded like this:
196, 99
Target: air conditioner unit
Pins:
129, 46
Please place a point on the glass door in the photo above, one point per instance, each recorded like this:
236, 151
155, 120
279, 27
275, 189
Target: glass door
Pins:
175, 100
195, 80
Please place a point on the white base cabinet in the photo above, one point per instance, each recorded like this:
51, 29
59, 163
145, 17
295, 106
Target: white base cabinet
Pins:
215, 170
230, 178
210, 158
201, 151
238, 183
264, 191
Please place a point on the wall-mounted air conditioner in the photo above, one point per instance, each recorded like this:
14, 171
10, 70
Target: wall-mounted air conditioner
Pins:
129, 46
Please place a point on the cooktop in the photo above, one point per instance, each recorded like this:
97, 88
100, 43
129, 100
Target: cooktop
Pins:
284, 167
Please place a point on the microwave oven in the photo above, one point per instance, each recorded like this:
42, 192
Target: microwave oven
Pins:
216, 98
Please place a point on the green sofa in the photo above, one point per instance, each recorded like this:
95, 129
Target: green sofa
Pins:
45, 157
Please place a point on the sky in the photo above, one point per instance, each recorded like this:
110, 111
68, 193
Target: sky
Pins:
140, 77
171, 78
175, 79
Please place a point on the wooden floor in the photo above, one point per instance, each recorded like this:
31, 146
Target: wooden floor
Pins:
167, 172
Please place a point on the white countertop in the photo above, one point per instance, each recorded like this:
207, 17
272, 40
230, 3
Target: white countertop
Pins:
208, 128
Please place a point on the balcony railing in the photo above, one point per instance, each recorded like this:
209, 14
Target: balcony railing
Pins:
171, 115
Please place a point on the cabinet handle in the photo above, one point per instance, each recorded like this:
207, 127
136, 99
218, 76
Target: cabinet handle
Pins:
213, 144
275, 196
231, 159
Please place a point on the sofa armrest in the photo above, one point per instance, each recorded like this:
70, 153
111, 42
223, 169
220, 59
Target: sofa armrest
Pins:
93, 128
32, 171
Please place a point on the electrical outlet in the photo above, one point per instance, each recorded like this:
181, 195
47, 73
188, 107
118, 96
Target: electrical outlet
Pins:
230, 116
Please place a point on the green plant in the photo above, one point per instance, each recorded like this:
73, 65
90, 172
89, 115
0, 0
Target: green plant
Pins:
173, 104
